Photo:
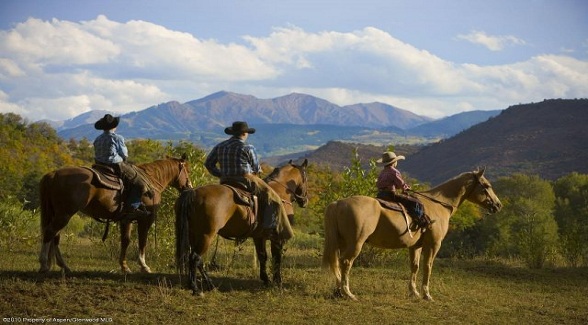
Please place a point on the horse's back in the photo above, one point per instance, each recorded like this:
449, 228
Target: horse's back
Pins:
70, 175
354, 214
211, 204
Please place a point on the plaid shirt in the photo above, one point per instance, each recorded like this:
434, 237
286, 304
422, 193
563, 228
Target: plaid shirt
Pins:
235, 157
110, 148
390, 179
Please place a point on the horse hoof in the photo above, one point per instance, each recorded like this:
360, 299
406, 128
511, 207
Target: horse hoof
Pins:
145, 270
337, 293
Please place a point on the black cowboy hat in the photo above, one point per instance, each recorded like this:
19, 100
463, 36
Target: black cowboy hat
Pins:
108, 122
239, 127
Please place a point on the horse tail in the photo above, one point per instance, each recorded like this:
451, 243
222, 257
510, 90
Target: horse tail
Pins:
46, 205
47, 256
331, 247
182, 210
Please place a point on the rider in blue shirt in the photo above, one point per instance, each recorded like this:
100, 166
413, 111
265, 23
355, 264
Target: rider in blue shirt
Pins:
110, 150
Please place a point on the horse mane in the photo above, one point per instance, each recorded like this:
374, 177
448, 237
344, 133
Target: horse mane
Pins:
451, 184
273, 175
167, 165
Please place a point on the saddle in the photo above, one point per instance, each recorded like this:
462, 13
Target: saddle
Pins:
391, 205
107, 177
244, 197
397, 206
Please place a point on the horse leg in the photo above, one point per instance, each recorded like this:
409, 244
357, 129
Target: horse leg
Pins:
345, 263
277, 246
125, 239
429, 257
58, 258
143, 230
415, 256
44, 259
196, 262
50, 247
262, 258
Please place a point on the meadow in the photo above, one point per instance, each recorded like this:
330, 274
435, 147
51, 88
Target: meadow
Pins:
465, 291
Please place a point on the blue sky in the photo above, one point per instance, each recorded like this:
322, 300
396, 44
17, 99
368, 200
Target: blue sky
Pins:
59, 59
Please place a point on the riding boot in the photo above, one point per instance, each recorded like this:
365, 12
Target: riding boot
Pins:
135, 209
424, 221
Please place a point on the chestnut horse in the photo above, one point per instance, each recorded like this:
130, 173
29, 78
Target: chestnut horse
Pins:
68, 190
206, 211
353, 221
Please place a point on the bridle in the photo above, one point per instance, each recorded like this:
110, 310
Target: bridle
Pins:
184, 170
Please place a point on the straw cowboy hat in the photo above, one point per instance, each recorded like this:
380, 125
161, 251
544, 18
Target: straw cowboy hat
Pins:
108, 122
239, 127
388, 158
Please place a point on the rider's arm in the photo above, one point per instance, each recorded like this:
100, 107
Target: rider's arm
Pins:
254, 161
211, 163
121, 147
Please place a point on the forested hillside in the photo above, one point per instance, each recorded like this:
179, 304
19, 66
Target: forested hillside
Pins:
548, 139
27, 151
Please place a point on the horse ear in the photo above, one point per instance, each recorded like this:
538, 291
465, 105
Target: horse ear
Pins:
481, 171
305, 163
184, 156
290, 162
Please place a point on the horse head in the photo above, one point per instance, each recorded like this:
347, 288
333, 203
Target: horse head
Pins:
182, 181
301, 192
292, 178
483, 194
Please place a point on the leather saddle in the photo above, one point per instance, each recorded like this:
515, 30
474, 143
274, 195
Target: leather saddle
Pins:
107, 177
244, 197
391, 205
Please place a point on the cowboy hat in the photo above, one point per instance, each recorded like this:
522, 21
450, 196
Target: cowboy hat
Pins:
108, 122
239, 127
388, 158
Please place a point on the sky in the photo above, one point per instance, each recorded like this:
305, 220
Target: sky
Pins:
436, 58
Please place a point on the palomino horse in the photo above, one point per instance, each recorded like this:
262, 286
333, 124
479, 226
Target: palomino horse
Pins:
203, 212
71, 189
353, 221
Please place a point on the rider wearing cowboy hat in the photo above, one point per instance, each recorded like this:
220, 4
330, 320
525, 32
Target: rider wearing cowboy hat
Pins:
110, 150
238, 164
390, 179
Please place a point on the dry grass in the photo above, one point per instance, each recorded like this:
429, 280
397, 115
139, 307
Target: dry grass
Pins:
465, 292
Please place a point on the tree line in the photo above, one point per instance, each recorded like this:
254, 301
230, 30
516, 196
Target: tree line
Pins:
542, 223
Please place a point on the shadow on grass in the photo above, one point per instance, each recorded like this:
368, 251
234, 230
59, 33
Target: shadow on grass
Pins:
221, 283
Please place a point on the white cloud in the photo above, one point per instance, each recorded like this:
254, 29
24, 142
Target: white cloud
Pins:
493, 43
59, 69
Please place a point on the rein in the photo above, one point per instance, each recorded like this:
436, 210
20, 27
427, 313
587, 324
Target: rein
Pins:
445, 204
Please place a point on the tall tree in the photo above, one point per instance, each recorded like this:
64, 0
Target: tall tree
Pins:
525, 227
571, 214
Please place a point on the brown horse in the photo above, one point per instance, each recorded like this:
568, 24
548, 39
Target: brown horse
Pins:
353, 221
68, 190
206, 211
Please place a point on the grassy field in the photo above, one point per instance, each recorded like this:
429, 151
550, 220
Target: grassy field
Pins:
465, 292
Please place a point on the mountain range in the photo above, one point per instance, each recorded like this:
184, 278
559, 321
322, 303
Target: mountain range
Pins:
286, 124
